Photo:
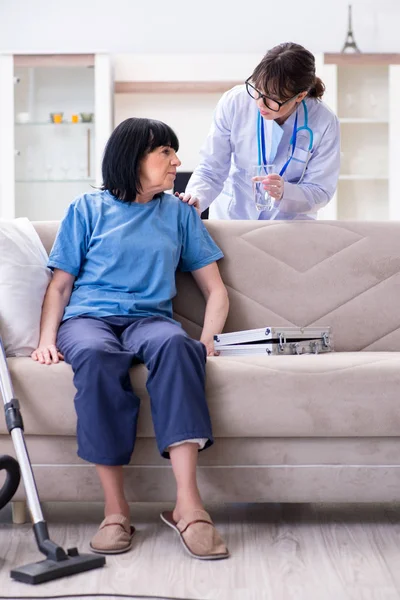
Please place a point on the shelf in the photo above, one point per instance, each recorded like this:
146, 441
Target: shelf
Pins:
49, 123
55, 181
363, 178
54, 60
362, 121
361, 59
173, 87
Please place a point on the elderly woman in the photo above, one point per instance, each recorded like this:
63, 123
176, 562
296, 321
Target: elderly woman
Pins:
109, 306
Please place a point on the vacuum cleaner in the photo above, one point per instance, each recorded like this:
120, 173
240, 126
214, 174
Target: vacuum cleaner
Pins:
13, 477
58, 563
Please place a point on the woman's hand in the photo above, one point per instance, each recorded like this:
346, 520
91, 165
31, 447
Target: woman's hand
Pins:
209, 344
47, 354
209, 280
192, 200
273, 184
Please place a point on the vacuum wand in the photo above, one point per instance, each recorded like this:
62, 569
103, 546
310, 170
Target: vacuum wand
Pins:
58, 563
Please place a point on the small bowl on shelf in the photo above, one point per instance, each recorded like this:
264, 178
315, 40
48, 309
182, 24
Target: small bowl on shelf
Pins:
56, 117
23, 117
87, 117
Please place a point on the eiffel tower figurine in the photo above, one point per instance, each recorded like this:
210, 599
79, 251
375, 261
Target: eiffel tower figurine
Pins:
350, 44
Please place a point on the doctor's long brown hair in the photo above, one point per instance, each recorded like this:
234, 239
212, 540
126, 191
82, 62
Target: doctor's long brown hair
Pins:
287, 70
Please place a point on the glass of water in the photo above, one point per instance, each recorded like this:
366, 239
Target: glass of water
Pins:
262, 198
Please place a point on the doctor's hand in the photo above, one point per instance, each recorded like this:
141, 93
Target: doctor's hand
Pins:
192, 200
274, 184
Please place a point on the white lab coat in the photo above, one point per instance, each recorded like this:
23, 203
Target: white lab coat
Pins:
222, 180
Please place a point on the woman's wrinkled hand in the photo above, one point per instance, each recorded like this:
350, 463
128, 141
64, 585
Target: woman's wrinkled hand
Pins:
209, 344
46, 354
273, 184
189, 199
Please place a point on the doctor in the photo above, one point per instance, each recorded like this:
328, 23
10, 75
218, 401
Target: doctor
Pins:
277, 117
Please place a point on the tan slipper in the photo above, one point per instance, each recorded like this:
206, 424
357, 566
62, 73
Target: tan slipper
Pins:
115, 535
198, 535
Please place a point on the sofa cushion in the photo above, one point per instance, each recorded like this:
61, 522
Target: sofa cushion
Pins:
24, 278
281, 273
336, 394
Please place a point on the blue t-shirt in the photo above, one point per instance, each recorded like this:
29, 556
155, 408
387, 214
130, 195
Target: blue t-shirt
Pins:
124, 256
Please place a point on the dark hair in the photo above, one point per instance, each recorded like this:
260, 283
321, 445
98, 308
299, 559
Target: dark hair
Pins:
287, 70
129, 143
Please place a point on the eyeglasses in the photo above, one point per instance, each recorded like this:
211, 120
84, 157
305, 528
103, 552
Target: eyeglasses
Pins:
273, 105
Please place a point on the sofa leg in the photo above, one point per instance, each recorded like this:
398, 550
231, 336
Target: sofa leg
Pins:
18, 510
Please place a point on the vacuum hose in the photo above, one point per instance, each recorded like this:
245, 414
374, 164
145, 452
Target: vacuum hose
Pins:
12, 479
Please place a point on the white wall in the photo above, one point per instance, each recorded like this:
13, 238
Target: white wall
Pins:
189, 115
180, 26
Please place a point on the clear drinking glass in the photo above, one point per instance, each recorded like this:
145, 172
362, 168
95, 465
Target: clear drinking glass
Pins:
262, 198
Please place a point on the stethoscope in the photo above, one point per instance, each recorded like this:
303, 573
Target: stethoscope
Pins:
262, 158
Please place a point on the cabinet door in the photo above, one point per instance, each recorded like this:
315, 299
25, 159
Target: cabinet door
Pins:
6, 137
61, 116
54, 133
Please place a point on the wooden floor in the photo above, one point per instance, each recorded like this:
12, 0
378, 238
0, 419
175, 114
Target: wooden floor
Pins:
279, 552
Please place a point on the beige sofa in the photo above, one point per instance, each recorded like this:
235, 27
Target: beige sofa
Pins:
287, 428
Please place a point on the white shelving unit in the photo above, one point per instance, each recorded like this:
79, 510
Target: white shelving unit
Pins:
363, 121
44, 165
363, 90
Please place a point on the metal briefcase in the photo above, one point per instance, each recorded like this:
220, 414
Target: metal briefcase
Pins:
275, 340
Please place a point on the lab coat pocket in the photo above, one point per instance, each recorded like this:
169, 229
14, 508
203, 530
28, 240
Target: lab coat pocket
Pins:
220, 209
297, 165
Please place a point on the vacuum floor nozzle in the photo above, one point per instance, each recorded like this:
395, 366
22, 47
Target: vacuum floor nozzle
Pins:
47, 570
